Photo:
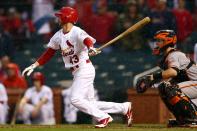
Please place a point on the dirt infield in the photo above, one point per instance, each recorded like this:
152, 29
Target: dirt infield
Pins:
85, 127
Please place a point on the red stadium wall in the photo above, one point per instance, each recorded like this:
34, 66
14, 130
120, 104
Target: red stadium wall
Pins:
14, 96
147, 107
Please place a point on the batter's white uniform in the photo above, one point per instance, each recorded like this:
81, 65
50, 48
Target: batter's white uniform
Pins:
46, 114
75, 55
3, 104
179, 60
70, 112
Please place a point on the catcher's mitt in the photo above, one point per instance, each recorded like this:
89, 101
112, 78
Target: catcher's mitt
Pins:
143, 84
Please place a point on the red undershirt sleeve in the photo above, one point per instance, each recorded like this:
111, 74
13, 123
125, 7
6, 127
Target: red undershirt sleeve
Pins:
46, 56
88, 42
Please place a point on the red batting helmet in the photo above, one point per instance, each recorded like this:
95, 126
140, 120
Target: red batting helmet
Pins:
164, 38
67, 14
38, 76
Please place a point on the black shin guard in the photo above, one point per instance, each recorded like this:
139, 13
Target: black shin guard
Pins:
178, 103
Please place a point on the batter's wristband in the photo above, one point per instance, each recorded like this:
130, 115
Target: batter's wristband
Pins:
157, 76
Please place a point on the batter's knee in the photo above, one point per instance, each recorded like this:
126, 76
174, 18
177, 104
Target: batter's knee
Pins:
75, 101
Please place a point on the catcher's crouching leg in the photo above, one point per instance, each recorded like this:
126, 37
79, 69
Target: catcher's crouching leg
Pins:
179, 104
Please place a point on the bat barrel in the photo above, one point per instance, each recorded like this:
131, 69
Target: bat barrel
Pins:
136, 26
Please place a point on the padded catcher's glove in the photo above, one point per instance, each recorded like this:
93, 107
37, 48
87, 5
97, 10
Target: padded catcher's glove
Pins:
143, 84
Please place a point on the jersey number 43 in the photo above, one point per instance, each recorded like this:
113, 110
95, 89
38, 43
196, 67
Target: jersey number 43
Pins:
74, 59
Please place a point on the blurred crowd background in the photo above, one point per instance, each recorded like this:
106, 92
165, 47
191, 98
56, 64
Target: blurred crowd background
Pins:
27, 25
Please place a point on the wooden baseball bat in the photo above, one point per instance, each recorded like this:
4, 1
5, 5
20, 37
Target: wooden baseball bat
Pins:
136, 26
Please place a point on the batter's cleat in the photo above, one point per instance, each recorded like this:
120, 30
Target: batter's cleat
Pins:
129, 115
104, 122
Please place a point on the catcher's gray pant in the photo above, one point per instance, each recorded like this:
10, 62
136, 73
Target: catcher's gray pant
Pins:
45, 117
190, 89
3, 113
82, 95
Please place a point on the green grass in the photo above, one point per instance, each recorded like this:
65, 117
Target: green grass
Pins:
112, 127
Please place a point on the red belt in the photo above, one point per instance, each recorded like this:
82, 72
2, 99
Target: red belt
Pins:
77, 66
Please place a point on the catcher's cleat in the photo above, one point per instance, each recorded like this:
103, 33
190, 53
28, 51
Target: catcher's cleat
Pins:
129, 115
104, 122
175, 123
172, 123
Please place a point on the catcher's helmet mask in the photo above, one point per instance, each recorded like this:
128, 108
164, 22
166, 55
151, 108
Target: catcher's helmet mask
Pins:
162, 40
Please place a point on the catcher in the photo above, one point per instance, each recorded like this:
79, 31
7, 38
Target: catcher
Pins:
177, 82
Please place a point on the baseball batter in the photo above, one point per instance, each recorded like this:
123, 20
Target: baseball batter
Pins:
3, 104
36, 107
76, 46
179, 93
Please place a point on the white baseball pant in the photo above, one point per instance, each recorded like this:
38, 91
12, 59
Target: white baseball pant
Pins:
82, 95
45, 117
70, 112
3, 113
